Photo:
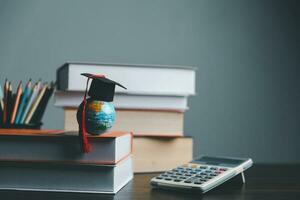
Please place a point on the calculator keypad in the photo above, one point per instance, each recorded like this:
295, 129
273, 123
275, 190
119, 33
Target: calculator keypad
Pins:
192, 174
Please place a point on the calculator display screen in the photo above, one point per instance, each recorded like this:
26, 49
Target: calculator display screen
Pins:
219, 161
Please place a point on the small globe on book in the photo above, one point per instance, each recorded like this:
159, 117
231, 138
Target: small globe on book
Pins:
100, 116
96, 114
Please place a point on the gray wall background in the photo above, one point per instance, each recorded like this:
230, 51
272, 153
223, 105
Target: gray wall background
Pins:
247, 54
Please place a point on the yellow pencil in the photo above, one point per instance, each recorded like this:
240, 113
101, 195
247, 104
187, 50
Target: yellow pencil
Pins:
35, 104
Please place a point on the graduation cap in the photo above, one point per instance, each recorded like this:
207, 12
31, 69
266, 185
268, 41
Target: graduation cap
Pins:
101, 89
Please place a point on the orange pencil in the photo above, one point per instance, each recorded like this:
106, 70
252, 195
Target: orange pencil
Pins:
18, 96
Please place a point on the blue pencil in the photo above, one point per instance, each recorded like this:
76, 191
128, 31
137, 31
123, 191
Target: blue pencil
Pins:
26, 94
31, 98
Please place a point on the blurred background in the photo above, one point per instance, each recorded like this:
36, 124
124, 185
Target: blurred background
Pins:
246, 52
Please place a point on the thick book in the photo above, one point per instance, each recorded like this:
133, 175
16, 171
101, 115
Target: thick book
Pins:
59, 177
63, 147
139, 79
73, 99
156, 154
140, 122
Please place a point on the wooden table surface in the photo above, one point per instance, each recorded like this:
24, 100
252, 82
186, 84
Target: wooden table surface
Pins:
262, 182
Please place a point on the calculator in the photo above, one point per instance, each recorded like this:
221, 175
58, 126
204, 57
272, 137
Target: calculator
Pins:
202, 174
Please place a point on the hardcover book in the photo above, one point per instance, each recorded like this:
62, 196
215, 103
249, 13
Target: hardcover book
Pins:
139, 79
156, 154
63, 177
140, 122
127, 101
63, 147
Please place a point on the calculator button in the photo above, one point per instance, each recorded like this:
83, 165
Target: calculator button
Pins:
192, 179
223, 169
203, 173
198, 182
158, 177
203, 167
164, 175
168, 179
188, 181
177, 180
213, 168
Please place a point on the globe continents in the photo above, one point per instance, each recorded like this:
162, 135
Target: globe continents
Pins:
100, 116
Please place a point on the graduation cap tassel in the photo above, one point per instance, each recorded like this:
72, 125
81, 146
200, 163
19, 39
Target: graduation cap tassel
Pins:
86, 147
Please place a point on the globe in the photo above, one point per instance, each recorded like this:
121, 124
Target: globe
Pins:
100, 116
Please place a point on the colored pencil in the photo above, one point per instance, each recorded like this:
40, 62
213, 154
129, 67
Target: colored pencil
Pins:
6, 87
26, 94
9, 103
1, 98
36, 103
31, 99
17, 102
37, 116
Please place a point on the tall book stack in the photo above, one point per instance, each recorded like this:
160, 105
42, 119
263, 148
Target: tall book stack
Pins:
152, 108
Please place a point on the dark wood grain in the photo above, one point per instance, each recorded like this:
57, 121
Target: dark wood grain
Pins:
262, 182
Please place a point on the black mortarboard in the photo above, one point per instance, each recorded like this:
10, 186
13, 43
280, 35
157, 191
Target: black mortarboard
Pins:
102, 88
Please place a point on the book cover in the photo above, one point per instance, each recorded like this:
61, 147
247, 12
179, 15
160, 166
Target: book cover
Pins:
152, 80
63, 147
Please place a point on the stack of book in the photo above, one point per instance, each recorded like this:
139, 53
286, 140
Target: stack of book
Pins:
152, 108
50, 160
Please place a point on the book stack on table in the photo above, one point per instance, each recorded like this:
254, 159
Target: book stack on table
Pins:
152, 108
50, 160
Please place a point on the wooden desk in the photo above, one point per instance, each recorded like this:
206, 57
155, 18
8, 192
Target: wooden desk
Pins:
262, 182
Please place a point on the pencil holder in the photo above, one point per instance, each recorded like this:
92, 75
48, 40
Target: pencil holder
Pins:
24, 108
22, 126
